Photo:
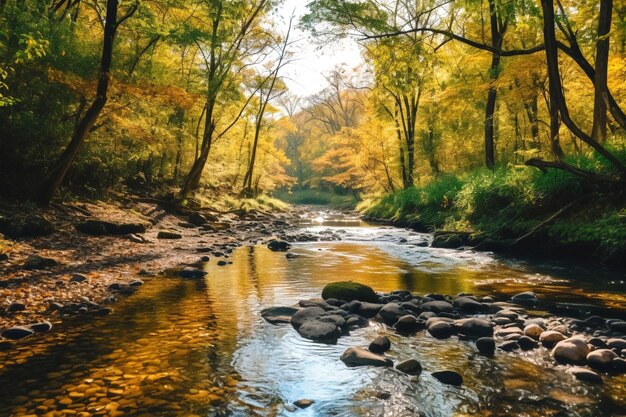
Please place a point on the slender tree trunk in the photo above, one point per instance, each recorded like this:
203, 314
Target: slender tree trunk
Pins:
531, 112
192, 181
598, 131
82, 131
405, 183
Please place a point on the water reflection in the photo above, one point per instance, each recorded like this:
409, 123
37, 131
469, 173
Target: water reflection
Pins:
200, 348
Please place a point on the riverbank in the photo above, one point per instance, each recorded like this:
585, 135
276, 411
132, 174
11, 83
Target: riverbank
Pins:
514, 211
79, 258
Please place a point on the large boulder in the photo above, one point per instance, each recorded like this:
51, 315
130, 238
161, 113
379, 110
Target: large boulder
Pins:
278, 315
441, 329
349, 291
410, 367
355, 356
438, 307
304, 315
486, 346
549, 338
571, 351
380, 345
601, 359
528, 299
474, 327
408, 324
278, 246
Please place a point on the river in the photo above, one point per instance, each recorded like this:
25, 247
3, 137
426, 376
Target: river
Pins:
200, 348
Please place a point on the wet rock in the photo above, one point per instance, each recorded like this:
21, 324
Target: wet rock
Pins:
17, 333
41, 327
304, 403
278, 315
278, 245
410, 367
103, 311
616, 343
527, 298
601, 359
584, 374
447, 241
166, 234
191, 273
571, 351
222, 263
391, 313
618, 366
303, 315
509, 346
319, 331
356, 322
380, 345
486, 346
95, 227
441, 330
474, 327
368, 310
136, 283
15, 307
618, 326
78, 278
355, 356
291, 255
597, 342
39, 262
533, 330
313, 302
470, 305
448, 378
438, 306
527, 343
408, 324
349, 291
549, 338
335, 319
508, 314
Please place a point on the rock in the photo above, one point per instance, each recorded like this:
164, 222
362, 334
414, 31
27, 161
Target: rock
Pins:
97, 227
278, 245
356, 322
447, 241
474, 327
533, 330
616, 343
601, 359
319, 331
509, 332
527, 343
136, 283
391, 313
303, 315
165, 234
15, 307
571, 351
380, 345
410, 366
506, 313
470, 305
38, 262
584, 374
222, 263
191, 273
509, 346
550, 338
41, 327
31, 226
618, 365
438, 307
618, 326
527, 298
304, 403
136, 238
368, 310
408, 324
486, 346
17, 333
197, 219
278, 315
441, 330
355, 356
448, 377
78, 278
349, 291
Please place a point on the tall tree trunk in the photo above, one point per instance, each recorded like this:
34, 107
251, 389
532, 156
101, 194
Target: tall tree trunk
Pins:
497, 35
531, 111
82, 130
598, 131
405, 183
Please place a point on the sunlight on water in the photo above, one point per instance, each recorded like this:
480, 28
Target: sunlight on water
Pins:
186, 348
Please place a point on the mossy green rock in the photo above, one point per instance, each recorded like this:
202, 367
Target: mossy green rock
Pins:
349, 291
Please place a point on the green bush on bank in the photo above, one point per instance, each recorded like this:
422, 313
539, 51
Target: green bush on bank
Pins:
509, 202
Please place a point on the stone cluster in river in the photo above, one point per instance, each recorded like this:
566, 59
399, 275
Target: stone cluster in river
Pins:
595, 345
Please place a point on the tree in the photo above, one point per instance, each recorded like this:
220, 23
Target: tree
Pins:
112, 23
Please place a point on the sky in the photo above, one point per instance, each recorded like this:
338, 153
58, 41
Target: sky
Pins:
305, 76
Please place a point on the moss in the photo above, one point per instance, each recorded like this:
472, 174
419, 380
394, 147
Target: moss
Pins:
349, 291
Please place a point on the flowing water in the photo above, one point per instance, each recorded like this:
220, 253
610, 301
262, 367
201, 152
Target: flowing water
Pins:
200, 348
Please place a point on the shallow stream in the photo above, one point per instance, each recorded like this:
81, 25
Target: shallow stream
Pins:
200, 348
